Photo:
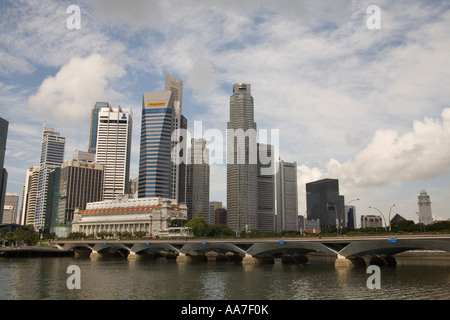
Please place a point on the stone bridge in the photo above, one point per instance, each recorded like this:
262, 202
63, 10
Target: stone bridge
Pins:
348, 251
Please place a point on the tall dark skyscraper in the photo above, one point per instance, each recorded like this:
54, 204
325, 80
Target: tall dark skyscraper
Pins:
80, 183
159, 176
242, 167
287, 197
197, 187
324, 202
266, 189
3, 173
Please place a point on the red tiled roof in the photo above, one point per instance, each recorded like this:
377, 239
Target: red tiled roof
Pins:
125, 210
120, 210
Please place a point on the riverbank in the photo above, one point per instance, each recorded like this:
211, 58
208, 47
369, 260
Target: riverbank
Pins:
34, 251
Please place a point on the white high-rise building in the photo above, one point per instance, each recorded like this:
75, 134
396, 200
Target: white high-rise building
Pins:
424, 203
52, 156
113, 149
29, 196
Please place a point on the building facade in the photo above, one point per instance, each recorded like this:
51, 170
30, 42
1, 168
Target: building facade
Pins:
242, 167
371, 221
266, 188
94, 125
323, 202
178, 179
350, 217
213, 206
52, 156
425, 215
113, 149
10, 208
81, 183
29, 196
149, 215
197, 180
3, 172
287, 197
159, 175
155, 167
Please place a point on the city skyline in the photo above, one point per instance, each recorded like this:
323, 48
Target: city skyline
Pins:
368, 107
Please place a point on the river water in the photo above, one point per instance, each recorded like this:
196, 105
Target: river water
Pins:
161, 279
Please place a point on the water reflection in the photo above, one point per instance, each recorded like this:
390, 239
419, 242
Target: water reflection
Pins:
162, 279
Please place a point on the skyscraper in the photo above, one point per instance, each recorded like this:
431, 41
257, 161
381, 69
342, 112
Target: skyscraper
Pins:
94, 125
266, 189
29, 196
242, 168
197, 186
113, 149
287, 197
424, 203
323, 202
52, 156
159, 176
11, 208
80, 183
3, 173
155, 167
178, 188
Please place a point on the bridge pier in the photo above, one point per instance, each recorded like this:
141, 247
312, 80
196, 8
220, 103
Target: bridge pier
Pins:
189, 258
342, 261
132, 256
95, 255
248, 259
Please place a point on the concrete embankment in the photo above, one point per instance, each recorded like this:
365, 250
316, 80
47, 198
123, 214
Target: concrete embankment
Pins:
27, 252
423, 258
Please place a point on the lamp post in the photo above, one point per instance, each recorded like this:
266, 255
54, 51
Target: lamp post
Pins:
390, 217
348, 204
385, 228
420, 224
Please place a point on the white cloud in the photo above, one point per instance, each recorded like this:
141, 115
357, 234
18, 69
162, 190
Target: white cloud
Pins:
68, 97
390, 159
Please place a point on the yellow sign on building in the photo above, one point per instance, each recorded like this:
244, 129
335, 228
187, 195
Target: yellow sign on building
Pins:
156, 104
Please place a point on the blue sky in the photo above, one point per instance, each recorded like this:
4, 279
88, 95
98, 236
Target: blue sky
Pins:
368, 107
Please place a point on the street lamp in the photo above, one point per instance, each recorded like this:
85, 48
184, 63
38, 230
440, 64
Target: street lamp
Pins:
390, 217
420, 224
385, 228
348, 204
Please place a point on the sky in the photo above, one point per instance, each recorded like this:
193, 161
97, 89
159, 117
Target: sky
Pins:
357, 95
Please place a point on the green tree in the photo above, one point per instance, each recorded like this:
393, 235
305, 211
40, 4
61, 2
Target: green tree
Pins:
199, 226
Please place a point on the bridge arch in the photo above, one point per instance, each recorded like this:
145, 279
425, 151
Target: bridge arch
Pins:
204, 247
385, 247
279, 248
